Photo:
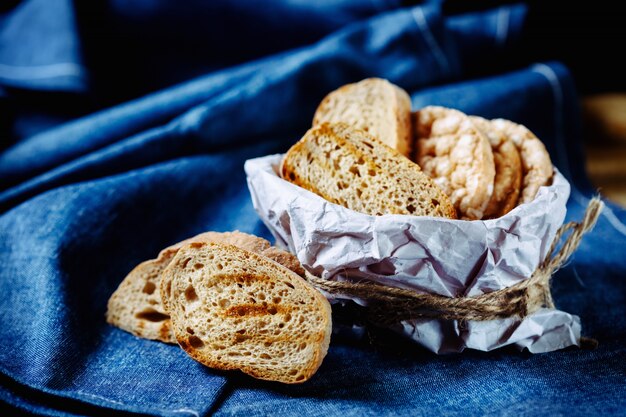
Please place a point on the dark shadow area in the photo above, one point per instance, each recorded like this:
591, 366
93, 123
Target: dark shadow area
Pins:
579, 34
39, 402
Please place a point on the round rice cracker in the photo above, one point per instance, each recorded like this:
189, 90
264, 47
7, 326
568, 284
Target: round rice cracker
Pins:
508, 180
536, 164
457, 156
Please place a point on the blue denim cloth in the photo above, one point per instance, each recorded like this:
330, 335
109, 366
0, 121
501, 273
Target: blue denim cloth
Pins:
82, 203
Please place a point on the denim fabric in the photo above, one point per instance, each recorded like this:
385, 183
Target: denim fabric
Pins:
81, 204
102, 52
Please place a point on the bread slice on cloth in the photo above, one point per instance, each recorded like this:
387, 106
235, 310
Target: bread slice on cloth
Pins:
452, 151
235, 309
136, 306
350, 167
508, 180
373, 105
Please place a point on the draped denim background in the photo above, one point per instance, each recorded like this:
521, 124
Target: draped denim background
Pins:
84, 199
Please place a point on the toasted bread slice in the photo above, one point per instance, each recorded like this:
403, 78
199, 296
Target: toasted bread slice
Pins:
234, 309
136, 306
351, 168
373, 105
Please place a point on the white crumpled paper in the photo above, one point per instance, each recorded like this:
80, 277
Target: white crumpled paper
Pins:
427, 254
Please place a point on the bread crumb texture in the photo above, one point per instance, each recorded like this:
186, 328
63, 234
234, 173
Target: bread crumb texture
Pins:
234, 309
351, 168
138, 307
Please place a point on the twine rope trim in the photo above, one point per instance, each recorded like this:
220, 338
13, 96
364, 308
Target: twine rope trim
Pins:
389, 305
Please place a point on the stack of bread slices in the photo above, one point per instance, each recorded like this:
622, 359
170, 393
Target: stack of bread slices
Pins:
231, 301
368, 152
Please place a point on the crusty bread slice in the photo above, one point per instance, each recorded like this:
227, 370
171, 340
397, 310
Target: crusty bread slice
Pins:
351, 168
234, 309
136, 306
373, 105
